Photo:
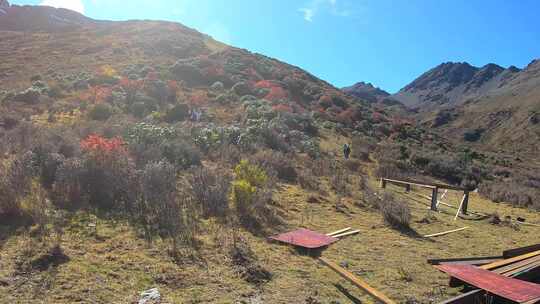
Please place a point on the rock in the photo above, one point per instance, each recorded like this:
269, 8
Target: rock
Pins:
150, 296
241, 89
30, 95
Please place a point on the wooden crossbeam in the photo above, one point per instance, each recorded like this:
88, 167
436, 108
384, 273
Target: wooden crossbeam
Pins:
356, 281
423, 184
445, 232
510, 260
467, 260
338, 231
346, 233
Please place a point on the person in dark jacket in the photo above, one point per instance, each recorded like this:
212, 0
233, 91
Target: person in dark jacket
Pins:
346, 150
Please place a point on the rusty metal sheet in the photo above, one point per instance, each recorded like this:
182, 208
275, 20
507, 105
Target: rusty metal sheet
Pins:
305, 238
508, 288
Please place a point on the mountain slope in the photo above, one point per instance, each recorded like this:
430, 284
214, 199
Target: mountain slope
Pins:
454, 83
504, 117
40, 18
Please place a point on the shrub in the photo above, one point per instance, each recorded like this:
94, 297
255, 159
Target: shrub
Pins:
352, 165
178, 113
100, 112
339, 181
15, 182
30, 95
307, 179
210, 188
281, 163
159, 194
68, 186
473, 135
36, 205
251, 192
108, 172
395, 213
241, 88
360, 148
181, 154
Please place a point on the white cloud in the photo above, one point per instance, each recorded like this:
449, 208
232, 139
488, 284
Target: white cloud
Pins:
74, 5
315, 6
308, 13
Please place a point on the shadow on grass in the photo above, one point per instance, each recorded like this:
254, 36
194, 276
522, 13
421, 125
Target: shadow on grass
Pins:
346, 293
11, 226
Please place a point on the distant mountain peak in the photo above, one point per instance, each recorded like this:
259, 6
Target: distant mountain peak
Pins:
366, 91
40, 18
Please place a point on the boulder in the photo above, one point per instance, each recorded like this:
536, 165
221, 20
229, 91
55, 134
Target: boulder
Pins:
150, 296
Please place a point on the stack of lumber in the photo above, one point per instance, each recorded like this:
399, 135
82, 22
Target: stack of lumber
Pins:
495, 279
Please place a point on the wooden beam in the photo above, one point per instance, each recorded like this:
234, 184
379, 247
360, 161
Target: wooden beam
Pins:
459, 208
423, 184
399, 182
467, 260
434, 198
517, 265
510, 260
470, 297
465, 202
338, 231
357, 281
445, 232
346, 233
510, 253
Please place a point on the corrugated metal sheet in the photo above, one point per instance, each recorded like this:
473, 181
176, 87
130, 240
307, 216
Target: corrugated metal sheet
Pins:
305, 238
508, 288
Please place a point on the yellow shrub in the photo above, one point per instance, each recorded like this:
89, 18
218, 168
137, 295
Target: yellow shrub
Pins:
252, 174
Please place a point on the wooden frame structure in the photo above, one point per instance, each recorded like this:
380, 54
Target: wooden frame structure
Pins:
434, 191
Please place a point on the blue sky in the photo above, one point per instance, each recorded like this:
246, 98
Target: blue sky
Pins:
386, 42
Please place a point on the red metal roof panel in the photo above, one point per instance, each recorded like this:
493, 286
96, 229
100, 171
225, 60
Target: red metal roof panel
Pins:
508, 288
305, 238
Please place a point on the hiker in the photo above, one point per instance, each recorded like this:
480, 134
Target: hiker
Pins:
346, 150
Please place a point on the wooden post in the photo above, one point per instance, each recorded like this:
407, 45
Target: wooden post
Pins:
383, 183
434, 196
407, 187
465, 202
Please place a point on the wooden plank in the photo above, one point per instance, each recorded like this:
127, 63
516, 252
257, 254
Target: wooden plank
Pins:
510, 260
395, 181
356, 281
346, 233
434, 200
467, 260
472, 296
338, 231
511, 267
445, 232
442, 196
459, 208
510, 253
425, 185
465, 206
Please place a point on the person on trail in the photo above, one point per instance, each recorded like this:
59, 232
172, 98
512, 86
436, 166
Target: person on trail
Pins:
346, 150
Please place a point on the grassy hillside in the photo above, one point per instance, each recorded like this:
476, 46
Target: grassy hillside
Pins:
144, 154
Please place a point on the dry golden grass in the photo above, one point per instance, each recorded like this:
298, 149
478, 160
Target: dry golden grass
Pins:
115, 266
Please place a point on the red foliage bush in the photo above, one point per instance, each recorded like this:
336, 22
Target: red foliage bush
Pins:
264, 84
283, 108
100, 94
325, 101
277, 93
103, 146
377, 117
199, 98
